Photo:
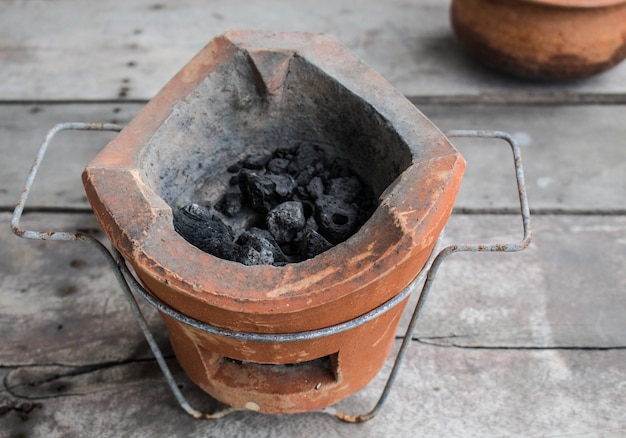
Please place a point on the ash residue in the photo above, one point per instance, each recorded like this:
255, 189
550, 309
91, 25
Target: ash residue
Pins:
296, 203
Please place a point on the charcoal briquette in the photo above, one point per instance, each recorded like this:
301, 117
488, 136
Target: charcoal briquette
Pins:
307, 155
255, 162
307, 202
339, 169
285, 220
278, 165
345, 188
250, 256
311, 243
311, 223
194, 213
302, 193
305, 175
258, 247
198, 226
234, 168
264, 191
315, 188
337, 220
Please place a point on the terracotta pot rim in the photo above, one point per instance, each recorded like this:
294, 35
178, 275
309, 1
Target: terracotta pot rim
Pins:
577, 4
542, 39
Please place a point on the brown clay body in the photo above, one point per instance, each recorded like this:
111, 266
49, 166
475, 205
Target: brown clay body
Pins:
543, 39
247, 90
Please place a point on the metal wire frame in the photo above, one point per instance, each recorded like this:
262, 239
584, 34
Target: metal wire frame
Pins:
127, 281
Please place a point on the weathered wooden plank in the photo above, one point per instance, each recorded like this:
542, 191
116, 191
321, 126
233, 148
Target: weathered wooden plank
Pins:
60, 302
565, 290
574, 156
64, 50
439, 392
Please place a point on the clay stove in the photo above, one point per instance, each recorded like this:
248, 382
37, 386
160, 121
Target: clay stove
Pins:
247, 92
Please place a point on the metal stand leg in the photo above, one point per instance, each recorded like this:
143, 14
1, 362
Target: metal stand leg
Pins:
119, 268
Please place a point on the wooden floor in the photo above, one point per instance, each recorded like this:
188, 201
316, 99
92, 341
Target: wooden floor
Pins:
530, 344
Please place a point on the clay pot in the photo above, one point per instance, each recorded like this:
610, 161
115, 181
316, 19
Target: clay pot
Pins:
543, 39
259, 90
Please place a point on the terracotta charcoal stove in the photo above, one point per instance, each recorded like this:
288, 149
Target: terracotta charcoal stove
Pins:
273, 344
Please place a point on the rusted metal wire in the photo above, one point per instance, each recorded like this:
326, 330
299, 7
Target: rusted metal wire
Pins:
127, 281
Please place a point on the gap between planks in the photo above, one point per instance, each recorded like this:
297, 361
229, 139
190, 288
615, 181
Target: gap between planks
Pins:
541, 98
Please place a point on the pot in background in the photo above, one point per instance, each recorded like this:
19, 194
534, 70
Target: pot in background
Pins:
543, 39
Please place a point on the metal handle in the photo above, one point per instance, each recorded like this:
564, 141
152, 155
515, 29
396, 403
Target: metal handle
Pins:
19, 208
521, 190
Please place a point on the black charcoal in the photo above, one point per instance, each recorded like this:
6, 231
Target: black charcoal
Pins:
234, 168
306, 202
233, 180
345, 188
311, 223
278, 165
306, 155
258, 247
284, 221
255, 162
265, 191
315, 188
230, 204
305, 175
311, 243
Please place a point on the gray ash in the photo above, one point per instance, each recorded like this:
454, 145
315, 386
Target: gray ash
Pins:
295, 204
